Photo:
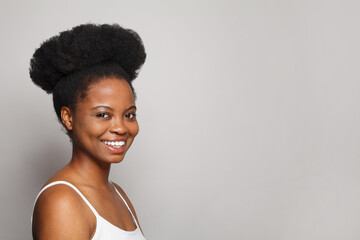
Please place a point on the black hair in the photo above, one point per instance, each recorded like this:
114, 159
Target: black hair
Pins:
65, 65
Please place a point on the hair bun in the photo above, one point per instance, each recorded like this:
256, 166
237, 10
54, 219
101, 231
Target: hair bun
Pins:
85, 46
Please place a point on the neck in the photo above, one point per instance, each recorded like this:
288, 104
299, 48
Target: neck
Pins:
88, 170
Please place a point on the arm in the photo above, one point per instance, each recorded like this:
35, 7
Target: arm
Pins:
60, 213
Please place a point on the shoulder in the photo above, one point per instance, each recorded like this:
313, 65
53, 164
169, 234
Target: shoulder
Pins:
60, 213
123, 194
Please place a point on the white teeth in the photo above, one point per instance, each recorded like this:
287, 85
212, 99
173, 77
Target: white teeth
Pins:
116, 144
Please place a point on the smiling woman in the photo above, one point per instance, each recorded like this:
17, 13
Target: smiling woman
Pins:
104, 125
89, 70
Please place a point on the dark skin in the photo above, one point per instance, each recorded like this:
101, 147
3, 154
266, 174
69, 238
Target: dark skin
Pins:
107, 114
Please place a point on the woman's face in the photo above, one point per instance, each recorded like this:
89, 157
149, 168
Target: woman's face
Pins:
104, 123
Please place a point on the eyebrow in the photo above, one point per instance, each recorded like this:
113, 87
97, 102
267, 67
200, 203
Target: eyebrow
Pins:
107, 107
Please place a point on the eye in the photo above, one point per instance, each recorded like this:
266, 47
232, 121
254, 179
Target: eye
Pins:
103, 115
130, 115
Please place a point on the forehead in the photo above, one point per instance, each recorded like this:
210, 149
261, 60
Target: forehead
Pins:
110, 91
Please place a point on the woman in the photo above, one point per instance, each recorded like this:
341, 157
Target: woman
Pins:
89, 70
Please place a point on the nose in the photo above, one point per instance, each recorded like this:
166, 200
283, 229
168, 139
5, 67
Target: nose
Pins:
118, 127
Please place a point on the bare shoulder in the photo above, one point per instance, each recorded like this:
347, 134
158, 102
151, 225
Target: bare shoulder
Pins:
123, 194
60, 213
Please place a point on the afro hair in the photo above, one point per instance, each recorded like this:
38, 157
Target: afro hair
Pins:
85, 46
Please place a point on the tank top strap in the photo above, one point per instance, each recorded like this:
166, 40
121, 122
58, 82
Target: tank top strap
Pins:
73, 187
133, 216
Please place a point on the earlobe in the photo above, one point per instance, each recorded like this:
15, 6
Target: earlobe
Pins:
66, 118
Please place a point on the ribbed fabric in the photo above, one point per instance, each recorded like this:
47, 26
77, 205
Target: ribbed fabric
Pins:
104, 229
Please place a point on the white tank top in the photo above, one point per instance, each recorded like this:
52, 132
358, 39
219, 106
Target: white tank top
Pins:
104, 229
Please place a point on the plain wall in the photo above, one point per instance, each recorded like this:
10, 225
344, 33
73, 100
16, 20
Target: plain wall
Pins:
249, 116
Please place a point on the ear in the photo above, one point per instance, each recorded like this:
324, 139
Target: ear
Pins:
66, 118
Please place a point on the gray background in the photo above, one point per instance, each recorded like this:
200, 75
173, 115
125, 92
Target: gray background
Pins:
248, 111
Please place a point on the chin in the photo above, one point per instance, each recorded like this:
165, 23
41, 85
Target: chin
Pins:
115, 159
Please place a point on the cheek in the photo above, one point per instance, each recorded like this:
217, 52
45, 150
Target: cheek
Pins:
99, 128
134, 128
87, 127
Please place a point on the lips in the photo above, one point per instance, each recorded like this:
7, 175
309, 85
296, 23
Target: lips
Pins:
117, 146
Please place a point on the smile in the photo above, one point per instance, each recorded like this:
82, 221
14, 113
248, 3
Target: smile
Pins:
115, 144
